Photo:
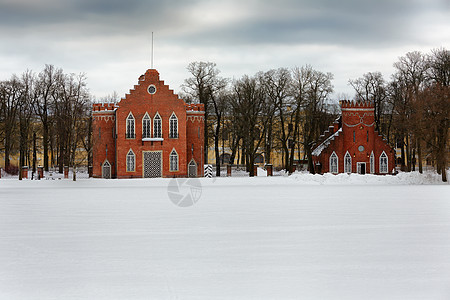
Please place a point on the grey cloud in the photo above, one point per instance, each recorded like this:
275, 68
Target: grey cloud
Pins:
129, 14
326, 22
344, 22
92, 35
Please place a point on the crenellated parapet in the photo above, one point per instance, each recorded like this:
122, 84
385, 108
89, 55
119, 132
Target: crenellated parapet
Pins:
349, 104
195, 108
102, 107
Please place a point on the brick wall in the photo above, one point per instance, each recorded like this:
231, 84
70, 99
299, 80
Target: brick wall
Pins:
140, 101
195, 136
103, 128
359, 138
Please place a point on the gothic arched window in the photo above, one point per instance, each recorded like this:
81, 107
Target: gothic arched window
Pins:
131, 161
157, 129
146, 126
383, 163
334, 163
347, 163
130, 127
173, 161
173, 126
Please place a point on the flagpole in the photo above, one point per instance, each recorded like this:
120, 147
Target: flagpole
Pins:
152, 49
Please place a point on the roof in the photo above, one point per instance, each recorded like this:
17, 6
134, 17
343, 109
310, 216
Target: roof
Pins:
318, 150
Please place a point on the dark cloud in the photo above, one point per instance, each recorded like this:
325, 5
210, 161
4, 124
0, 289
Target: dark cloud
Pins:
93, 14
100, 36
316, 22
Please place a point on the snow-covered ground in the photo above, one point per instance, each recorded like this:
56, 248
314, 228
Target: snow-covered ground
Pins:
297, 237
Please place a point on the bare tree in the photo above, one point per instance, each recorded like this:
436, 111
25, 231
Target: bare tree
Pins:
70, 109
435, 112
252, 110
10, 95
434, 108
46, 87
371, 87
110, 98
439, 66
409, 80
316, 88
219, 101
25, 114
204, 83
276, 85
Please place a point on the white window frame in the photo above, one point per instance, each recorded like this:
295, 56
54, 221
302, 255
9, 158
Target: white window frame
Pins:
157, 119
108, 164
131, 160
332, 157
131, 124
383, 169
173, 165
372, 163
194, 164
146, 126
173, 130
347, 163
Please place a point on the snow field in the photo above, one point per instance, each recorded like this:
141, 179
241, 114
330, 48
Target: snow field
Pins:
297, 237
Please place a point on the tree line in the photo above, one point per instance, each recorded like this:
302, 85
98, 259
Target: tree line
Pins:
288, 109
51, 109
283, 110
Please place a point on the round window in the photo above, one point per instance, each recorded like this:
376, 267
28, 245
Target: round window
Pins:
151, 89
361, 148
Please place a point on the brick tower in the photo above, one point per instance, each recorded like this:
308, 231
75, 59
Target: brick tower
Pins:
352, 145
103, 138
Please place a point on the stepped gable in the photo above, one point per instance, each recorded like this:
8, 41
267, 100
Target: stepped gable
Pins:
327, 137
151, 132
151, 77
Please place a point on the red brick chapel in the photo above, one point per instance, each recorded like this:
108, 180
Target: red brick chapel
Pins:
149, 133
351, 144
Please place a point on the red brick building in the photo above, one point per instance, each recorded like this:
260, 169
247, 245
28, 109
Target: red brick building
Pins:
351, 144
149, 133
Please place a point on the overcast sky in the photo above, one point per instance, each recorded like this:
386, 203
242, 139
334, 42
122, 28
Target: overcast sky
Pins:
110, 40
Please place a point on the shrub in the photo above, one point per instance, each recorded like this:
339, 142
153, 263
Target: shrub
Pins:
12, 170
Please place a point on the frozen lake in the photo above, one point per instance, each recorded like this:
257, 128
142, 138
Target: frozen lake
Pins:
298, 237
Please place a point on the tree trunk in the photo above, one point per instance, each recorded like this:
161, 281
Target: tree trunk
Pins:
286, 158
234, 150
7, 152
45, 144
22, 146
216, 149
251, 163
419, 153
444, 173
268, 145
310, 161
34, 152
61, 157
296, 130
402, 148
408, 155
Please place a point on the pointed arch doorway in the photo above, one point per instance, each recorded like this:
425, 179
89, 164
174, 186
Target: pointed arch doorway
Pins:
106, 170
192, 168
